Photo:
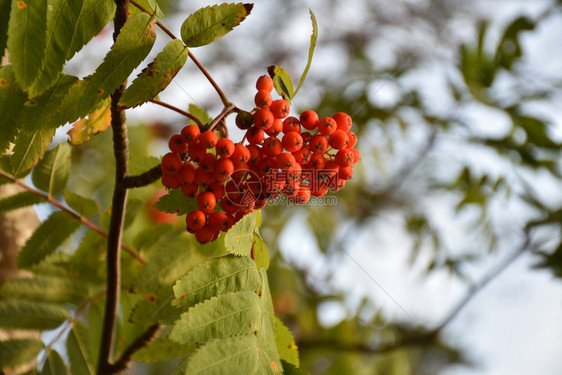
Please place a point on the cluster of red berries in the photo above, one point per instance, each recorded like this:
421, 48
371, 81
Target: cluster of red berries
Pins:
294, 157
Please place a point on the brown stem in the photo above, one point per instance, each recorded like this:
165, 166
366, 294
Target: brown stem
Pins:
180, 111
144, 179
71, 213
146, 338
223, 97
226, 110
121, 153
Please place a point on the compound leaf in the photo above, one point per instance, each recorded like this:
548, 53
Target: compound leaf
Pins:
285, 341
12, 99
44, 288
240, 238
78, 348
161, 349
157, 75
313, 39
17, 352
175, 202
221, 316
53, 171
270, 363
98, 121
5, 7
232, 355
227, 274
83, 206
19, 200
27, 39
54, 365
149, 5
282, 82
211, 23
30, 147
31, 315
47, 238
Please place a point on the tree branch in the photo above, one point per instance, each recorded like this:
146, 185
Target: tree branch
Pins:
180, 111
121, 153
146, 338
143, 179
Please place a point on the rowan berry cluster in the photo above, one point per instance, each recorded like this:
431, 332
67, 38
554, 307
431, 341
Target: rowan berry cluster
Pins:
296, 157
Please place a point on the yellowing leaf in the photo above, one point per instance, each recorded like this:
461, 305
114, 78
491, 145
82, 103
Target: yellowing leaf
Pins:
96, 122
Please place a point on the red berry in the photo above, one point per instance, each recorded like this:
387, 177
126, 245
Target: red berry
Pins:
195, 220
343, 121
171, 163
196, 152
206, 201
327, 126
171, 181
345, 173
263, 119
254, 135
255, 154
291, 124
260, 203
345, 157
267, 165
217, 189
280, 108
190, 133
317, 161
177, 144
318, 144
352, 139
286, 161
275, 129
208, 162
208, 139
229, 206
223, 169
302, 156
190, 190
338, 139
219, 220
263, 99
292, 141
241, 154
272, 146
309, 120
303, 195
356, 155
225, 147
186, 174
264, 83
202, 177
205, 235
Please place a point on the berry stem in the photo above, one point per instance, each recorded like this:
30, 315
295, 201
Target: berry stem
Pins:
225, 112
180, 111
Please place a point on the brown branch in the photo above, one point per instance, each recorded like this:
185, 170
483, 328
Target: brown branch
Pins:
223, 97
226, 111
121, 153
143, 179
146, 338
180, 111
68, 211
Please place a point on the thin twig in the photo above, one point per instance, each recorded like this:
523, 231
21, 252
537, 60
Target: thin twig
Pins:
223, 97
226, 110
68, 211
180, 111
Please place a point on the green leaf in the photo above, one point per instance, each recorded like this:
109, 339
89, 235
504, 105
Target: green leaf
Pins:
54, 365
223, 275
12, 99
285, 341
53, 171
162, 349
240, 238
27, 39
5, 7
84, 206
142, 163
282, 82
200, 113
97, 122
211, 23
19, 200
149, 5
47, 238
131, 47
313, 39
270, 363
232, 355
45, 289
31, 315
65, 36
221, 316
261, 252
16, 352
133, 208
266, 301
157, 75
78, 348
290, 369
30, 147
175, 202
